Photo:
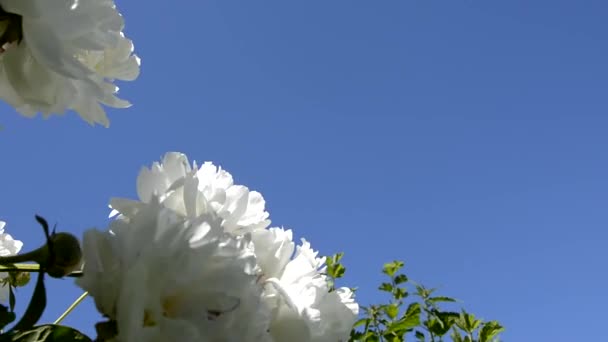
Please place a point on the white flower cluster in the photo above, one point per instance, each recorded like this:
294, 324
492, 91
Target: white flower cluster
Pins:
58, 55
8, 246
194, 260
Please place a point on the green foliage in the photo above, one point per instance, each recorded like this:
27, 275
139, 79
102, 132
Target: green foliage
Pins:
335, 270
413, 313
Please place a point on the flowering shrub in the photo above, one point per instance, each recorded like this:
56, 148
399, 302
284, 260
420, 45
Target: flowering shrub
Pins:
195, 257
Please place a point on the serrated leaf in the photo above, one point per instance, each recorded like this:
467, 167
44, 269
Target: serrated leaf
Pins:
46, 333
489, 331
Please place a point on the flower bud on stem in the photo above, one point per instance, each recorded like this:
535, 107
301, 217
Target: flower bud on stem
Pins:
60, 256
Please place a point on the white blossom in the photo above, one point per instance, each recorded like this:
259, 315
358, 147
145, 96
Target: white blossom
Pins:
191, 191
58, 55
293, 302
163, 277
8, 246
297, 291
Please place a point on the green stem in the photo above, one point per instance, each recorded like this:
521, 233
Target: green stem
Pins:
72, 307
20, 267
32, 268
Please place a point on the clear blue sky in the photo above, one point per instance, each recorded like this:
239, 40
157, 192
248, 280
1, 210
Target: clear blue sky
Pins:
466, 137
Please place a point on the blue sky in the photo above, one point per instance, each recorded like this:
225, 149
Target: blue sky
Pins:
464, 137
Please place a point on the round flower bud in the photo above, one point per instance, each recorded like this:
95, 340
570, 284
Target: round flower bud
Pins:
67, 255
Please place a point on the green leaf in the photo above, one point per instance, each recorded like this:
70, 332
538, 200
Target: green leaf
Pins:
423, 292
399, 293
334, 268
360, 322
456, 337
447, 317
393, 337
419, 336
400, 279
437, 327
489, 331
371, 337
46, 333
413, 309
392, 267
441, 299
35, 308
411, 319
11, 298
387, 287
6, 316
392, 310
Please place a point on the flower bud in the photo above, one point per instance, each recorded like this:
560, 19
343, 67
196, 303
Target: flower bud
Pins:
67, 255
19, 279
65, 259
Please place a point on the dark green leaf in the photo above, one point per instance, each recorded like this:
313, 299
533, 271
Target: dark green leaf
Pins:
6, 316
448, 318
419, 336
35, 308
437, 327
400, 279
45, 333
399, 293
11, 298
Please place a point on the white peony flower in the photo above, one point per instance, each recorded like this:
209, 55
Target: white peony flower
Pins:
57, 55
294, 302
193, 191
163, 277
8, 246
297, 291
